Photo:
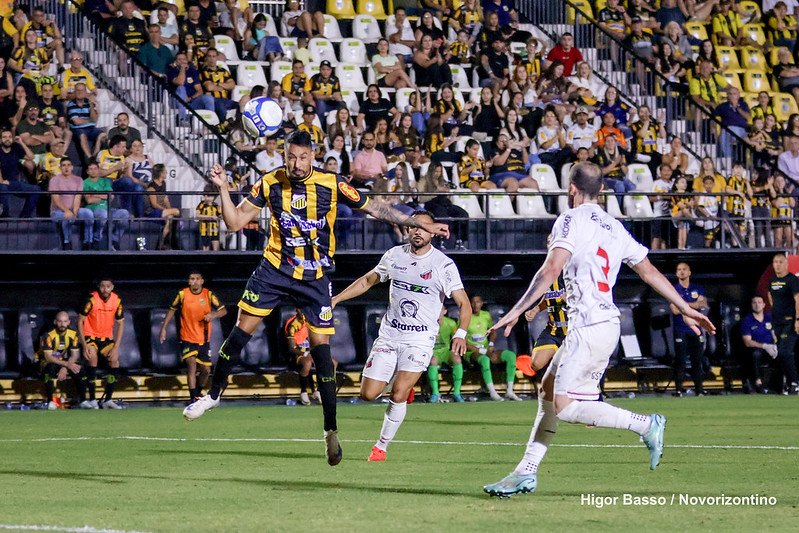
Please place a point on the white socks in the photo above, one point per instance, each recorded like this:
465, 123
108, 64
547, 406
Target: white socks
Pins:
546, 424
491, 390
395, 414
604, 415
510, 388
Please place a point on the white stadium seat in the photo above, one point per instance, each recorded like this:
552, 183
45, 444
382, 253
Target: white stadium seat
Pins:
250, 75
531, 205
365, 28
350, 77
311, 69
279, 70
332, 30
271, 29
226, 45
637, 206
564, 176
459, 78
500, 205
238, 92
403, 98
288, 44
468, 202
612, 206
353, 51
545, 177
640, 174
322, 49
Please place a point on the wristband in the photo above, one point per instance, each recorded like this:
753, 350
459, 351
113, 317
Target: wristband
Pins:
460, 334
491, 343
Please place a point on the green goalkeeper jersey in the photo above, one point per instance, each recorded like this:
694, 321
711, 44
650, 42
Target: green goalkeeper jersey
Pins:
477, 333
446, 330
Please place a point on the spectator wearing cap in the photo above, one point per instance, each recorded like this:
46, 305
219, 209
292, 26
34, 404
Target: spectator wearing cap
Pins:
34, 132
218, 83
318, 138
582, 133
641, 42
566, 53
324, 90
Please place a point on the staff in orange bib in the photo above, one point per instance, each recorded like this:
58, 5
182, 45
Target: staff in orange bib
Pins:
97, 335
198, 307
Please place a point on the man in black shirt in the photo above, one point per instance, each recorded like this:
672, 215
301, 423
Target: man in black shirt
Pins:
494, 67
783, 295
131, 32
11, 179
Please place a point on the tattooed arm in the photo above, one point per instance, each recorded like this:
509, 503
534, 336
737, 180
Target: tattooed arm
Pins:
386, 213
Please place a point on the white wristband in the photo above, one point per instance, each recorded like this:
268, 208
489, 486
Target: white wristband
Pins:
460, 334
491, 343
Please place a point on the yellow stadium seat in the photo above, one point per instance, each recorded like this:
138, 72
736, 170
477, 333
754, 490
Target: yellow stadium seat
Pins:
775, 85
754, 81
372, 7
600, 5
753, 59
733, 80
755, 32
697, 30
727, 57
784, 106
341, 9
750, 99
773, 58
582, 5
751, 10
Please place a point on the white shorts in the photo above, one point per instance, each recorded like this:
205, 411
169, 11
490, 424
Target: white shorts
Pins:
583, 358
388, 357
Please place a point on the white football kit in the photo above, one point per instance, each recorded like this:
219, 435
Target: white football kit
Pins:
599, 244
409, 328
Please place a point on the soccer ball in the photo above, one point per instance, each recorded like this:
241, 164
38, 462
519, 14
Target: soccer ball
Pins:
262, 117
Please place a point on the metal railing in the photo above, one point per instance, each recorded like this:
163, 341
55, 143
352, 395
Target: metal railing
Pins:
637, 81
485, 227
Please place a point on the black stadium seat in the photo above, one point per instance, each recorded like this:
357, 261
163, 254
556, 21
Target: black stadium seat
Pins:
32, 325
129, 353
660, 331
502, 342
3, 360
256, 353
166, 355
373, 318
342, 345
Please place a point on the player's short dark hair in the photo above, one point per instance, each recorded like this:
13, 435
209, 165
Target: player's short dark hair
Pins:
470, 143
297, 61
706, 178
299, 138
587, 177
116, 139
420, 212
101, 279
196, 271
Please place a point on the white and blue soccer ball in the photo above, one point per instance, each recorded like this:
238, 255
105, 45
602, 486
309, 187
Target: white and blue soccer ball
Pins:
262, 117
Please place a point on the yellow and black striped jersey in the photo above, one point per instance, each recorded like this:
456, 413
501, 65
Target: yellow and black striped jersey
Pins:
325, 87
60, 343
736, 205
106, 160
303, 213
649, 142
216, 75
316, 133
470, 169
433, 143
462, 51
466, 17
759, 112
555, 301
292, 86
208, 228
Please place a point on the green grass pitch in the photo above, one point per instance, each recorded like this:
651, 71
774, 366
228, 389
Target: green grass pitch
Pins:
222, 473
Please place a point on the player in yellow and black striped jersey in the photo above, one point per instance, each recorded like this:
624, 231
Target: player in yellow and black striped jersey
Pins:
551, 337
303, 204
60, 358
208, 213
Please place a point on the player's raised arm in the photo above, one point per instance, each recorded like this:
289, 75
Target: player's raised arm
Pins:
235, 217
546, 276
652, 276
386, 213
358, 287
459, 339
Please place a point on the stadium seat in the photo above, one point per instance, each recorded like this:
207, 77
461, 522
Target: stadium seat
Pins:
751, 9
754, 30
627, 326
459, 78
773, 57
350, 77
288, 44
727, 57
535, 327
250, 75
371, 7
531, 205
642, 177
545, 177
373, 317
351, 99
499, 205
365, 28
502, 342
311, 69
166, 354
637, 206
226, 45
660, 332
460, 146
353, 51
697, 30
32, 325
468, 202
458, 95
279, 69
129, 353
754, 82
341, 9
342, 344
564, 176
332, 29
271, 28
257, 352
584, 7
208, 116
612, 206
784, 106
237, 93
753, 59
322, 49
3, 358
403, 99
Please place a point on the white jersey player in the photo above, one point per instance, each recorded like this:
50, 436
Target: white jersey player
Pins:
588, 246
421, 277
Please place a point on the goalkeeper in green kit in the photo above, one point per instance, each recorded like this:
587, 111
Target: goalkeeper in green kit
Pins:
480, 350
442, 354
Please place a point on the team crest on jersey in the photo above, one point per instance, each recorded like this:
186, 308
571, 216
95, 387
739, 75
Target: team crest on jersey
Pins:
298, 201
202, 301
427, 275
349, 191
408, 308
326, 313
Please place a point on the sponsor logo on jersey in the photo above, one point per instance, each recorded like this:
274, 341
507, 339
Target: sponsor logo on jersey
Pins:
349, 192
290, 220
407, 327
326, 313
296, 242
602, 224
401, 269
554, 295
256, 189
426, 275
410, 287
408, 308
567, 220
298, 201
308, 264
694, 295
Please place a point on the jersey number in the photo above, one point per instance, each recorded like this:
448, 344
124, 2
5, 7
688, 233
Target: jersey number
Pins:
603, 287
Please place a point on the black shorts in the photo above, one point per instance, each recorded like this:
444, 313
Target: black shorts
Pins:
201, 352
268, 287
206, 240
547, 340
103, 344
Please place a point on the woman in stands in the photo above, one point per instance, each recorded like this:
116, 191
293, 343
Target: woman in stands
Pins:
338, 150
389, 68
708, 168
387, 141
436, 143
420, 109
511, 124
17, 105
551, 141
375, 107
8, 107
763, 194
791, 127
781, 26
344, 126
258, 44
410, 141
302, 23
30, 61
522, 83
158, 206
553, 89
782, 211
138, 165
707, 52
441, 206
430, 66
275, 92
487, 116
193, 53
426, 26
680, 45
668, 67
509, 162
453, 114
619, 109
589, 89
682, 210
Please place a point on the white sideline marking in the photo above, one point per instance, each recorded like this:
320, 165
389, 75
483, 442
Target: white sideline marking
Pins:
445, 442
84, 529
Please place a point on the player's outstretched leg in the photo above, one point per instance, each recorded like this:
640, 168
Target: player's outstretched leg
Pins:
326, 384
653, 439
228, 354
